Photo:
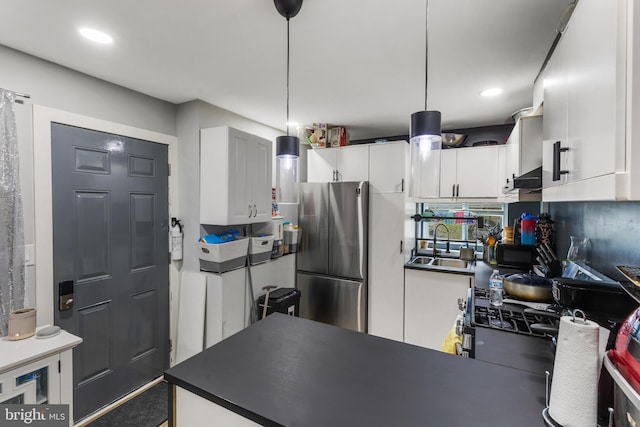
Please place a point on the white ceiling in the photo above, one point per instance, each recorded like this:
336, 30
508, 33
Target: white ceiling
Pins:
354, 63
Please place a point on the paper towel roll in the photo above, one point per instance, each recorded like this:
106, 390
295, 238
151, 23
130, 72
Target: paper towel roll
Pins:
574, 388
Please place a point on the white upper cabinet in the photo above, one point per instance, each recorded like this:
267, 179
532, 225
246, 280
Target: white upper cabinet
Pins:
589, 103
235, 177
469, 172
387, 167
448, 172
321, 165
350, 163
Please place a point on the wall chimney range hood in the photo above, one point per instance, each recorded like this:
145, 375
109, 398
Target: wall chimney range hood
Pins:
531, 181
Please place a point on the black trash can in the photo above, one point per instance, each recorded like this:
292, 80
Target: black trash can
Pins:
281, 300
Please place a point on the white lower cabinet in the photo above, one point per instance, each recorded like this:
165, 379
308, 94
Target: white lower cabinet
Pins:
35, 383
431, 305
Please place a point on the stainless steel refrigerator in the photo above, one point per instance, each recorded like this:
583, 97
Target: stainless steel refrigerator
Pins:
332, 256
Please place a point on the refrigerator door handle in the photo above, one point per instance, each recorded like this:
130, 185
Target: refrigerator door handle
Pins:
359, 311
361, 233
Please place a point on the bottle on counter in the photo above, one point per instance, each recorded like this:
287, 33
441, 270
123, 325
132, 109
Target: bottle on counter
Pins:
495, 289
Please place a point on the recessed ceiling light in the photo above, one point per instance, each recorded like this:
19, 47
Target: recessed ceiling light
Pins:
95, 35
491, 92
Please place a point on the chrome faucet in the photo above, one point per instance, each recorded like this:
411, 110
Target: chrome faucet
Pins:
435, 233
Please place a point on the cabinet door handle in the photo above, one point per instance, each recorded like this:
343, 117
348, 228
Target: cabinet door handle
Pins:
255, 211
453, 191
557, 172
401, 246
457, 190
250, 211
402, 186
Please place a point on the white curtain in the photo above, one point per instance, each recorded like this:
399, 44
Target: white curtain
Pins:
11, 218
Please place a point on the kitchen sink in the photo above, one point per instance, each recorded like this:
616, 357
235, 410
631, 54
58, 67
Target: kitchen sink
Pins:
446, 262
422, 260
440, 263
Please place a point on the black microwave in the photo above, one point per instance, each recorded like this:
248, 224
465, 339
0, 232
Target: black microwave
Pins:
515, 256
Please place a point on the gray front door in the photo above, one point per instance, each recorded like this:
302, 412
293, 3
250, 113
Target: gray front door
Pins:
110, 238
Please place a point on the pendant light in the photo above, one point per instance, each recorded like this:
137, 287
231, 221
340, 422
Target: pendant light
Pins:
287, 147
425, 137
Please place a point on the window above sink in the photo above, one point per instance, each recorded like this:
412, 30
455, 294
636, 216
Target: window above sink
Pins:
462, 233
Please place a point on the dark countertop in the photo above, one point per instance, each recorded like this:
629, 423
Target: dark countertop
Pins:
292, 372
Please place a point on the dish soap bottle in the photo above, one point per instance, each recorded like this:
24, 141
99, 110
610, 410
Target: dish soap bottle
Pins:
495, 289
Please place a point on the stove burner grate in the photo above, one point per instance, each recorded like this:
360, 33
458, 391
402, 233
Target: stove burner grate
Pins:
509, 317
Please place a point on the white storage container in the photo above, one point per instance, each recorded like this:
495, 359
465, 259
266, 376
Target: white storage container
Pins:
222, 257
260, 249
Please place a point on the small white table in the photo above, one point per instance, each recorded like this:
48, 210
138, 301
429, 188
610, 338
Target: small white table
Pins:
38, 370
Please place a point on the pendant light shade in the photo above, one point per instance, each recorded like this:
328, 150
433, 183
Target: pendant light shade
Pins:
425, 137
288, 8
287, 147
425, 123
426, 146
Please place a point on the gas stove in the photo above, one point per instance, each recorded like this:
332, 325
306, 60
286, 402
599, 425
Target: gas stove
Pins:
510, 318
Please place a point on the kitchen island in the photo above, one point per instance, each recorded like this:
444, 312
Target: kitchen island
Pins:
286, 371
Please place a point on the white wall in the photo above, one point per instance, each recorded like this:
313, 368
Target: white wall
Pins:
61, 88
